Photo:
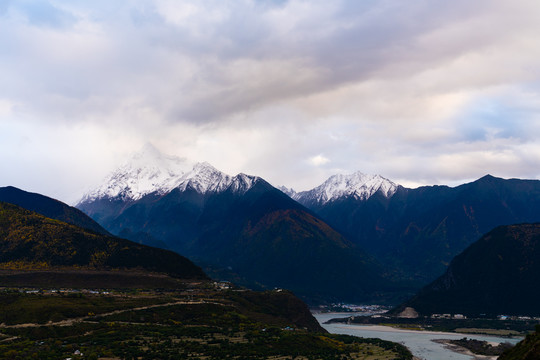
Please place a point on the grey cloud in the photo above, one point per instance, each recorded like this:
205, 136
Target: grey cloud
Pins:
381, 46
418, 90
352, 42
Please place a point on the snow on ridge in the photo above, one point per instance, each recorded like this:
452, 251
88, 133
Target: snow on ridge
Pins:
358, 185
242, 183
288, 191
204, 178
150, 171
147, 171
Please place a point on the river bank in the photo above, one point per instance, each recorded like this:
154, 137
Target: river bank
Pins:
464, 351
419, 342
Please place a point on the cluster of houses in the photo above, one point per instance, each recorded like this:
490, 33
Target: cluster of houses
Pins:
448, 316
500, 317
64, 291
522, 318
222, 285
342, 307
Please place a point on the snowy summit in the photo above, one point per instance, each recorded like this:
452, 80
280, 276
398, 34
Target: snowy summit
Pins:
146, 172
150, 171
357, 185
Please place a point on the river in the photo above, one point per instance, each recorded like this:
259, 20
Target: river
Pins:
418, 342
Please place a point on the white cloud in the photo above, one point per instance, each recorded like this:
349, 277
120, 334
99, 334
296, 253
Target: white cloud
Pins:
421, 92
319, 160
6, 107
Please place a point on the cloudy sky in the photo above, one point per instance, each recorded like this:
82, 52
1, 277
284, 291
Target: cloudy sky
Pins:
421, 92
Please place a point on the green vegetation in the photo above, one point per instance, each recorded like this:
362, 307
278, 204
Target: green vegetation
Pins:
24, 308
488, 331
50, 208
481, 347
32, 241
176, 342
68, 277
528, 349
195, 323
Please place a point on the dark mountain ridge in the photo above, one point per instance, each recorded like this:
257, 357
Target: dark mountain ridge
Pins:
418, 231
499, 274
32, 241
50, 208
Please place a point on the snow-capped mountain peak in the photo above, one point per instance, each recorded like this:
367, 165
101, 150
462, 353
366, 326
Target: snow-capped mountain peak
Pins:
203, 178
147, 171
150, 171
241, 183
357, 185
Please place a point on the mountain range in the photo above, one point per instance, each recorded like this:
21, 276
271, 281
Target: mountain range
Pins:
68, 288
353, 235
240, 225
417, 232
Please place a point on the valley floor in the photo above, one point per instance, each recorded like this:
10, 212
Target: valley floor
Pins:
199, 321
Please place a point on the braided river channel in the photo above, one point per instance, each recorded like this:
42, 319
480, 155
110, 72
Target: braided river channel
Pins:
420, 343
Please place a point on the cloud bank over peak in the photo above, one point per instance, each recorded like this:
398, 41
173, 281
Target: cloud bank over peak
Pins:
419, 91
